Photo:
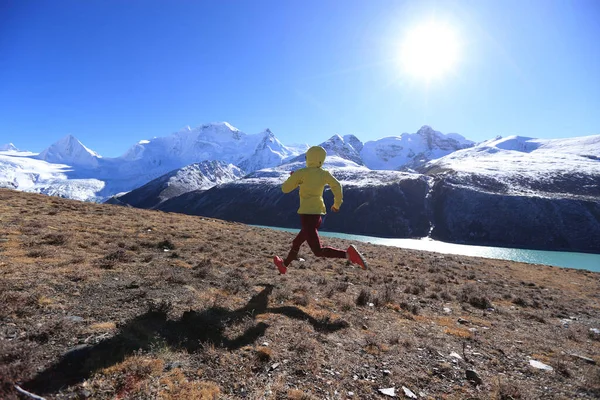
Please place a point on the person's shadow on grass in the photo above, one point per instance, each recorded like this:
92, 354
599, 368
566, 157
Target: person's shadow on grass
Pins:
191, 332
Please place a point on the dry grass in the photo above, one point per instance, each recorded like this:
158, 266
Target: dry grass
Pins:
106, 302
102, 327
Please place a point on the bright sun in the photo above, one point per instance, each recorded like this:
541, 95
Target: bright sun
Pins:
429, 50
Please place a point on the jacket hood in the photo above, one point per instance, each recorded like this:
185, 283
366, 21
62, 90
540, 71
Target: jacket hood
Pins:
315, 156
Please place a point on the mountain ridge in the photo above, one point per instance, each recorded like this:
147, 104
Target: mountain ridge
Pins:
491, 193
149, 159
197, 176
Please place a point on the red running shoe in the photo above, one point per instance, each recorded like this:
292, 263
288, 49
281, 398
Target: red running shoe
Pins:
278, 261
355, 257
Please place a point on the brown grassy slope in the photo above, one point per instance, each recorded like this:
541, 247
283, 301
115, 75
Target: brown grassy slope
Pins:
107, 302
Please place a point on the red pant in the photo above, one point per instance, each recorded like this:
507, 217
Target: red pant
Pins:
309, 233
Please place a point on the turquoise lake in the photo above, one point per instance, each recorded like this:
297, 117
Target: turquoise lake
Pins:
586, 261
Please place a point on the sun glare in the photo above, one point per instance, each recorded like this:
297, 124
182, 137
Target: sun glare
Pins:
429, 50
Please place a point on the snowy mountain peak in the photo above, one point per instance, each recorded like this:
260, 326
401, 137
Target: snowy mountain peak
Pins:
69, 150
334, 140
426, 130
214, 141
268, 140
220, 127
336, 146
436, 140
267, 134
8, 147
268, 152
354, 142
411, 150
229, 126
347, 148
430, 135
219, 131
71, 144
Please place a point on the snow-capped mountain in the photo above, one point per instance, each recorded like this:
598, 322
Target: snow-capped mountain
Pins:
150, 159
354, 142
410, 150
8, 147
70, 151
514, 192
69, 160
199, 176
340, 147
217, 141
407, 151
521, 177
521, 165
269, 152
344, 147
520, 192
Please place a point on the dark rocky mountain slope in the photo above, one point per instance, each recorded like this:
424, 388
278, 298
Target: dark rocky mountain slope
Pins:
395, 208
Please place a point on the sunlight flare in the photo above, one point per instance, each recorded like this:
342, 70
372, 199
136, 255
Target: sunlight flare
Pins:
429, 50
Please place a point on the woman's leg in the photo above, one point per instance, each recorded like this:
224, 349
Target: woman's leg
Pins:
300, 238
310, 225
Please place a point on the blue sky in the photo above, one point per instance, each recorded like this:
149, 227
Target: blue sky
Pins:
114, 72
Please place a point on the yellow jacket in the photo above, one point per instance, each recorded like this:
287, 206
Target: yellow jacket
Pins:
312, 181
